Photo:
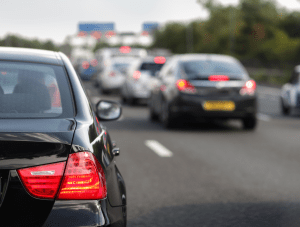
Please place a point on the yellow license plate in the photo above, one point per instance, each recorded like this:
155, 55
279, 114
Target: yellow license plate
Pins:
219, 106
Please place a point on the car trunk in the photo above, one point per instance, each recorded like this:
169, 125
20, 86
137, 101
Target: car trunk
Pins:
218, 89
26, 143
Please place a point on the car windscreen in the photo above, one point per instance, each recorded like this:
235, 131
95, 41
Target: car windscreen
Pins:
202, 69
151, 67
29, 90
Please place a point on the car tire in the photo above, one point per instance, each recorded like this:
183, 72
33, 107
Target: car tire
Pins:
124, 100
153, 115
249, 123
166, 117
131, 101
285, 110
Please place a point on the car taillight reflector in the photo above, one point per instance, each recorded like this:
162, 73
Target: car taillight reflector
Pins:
83, 179
218, 78
185, 86
136, 75
249, 88
42, 181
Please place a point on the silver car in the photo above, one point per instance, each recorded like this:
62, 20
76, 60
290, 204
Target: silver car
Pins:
137, 83
290, 93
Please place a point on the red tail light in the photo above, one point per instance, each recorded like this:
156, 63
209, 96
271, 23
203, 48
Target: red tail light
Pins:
94, 62
218, 78
83, 179
42, 181
136, 75
185, 86
249, 88
112, 74
85, 65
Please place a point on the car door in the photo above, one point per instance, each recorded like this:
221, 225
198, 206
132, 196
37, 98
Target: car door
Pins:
289, 90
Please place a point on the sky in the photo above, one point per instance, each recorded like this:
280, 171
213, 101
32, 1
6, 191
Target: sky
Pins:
55, 19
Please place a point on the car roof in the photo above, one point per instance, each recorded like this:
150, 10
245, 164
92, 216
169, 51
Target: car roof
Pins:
30, 55
212, 57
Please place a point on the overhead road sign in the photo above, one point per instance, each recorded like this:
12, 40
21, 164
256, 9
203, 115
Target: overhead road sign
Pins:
150, 26
89, 27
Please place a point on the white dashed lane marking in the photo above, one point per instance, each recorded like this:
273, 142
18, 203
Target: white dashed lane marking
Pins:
158, 148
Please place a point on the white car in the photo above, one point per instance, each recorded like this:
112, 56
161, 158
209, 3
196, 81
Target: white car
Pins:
290, 93
138, 79
112, 77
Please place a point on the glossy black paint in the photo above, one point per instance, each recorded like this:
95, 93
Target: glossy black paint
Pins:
183, 106
49, 141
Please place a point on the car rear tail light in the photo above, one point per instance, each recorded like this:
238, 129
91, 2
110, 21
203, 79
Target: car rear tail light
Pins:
85, 64
185, 86
249, 88
94, 62
42, 181
218, 78
112, 74
136, 75
83, 179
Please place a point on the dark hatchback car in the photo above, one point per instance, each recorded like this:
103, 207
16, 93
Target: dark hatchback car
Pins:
57, 163
203, 86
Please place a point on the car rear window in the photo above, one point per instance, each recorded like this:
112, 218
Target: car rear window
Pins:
29, 90
201, 69
152, 67
120, 66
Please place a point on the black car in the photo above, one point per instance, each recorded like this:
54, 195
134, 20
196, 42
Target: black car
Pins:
57, 163
202, 86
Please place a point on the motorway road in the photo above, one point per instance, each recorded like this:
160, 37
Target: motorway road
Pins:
210, 174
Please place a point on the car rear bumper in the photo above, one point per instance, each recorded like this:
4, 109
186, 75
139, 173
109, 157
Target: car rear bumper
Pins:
77, 213
245, 106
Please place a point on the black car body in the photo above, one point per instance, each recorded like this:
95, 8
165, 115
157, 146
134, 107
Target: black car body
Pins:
198, 86
40, 149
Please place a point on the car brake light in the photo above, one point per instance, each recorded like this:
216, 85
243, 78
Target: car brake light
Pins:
159, 60
85, 65
136, 75
83, 179
112, 73
94, 62
125, 49
218, 78
249, 88
42, 181
185, 86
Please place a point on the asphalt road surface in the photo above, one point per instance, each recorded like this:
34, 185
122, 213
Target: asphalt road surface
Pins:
210, 173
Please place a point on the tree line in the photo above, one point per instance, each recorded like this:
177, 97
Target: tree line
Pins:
258, 32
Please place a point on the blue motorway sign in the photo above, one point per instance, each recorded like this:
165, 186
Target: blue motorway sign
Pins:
89, 27
150, 26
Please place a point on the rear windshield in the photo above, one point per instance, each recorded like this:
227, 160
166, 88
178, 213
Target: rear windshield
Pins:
120, 66
29, 90
202, 69
151, 67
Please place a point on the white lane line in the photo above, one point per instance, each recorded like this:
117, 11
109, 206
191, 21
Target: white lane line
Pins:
263, 117
158, 148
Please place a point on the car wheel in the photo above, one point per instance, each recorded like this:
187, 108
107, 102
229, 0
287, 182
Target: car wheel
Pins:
132, 101
124, 100
249, 123
285, 110
166, 117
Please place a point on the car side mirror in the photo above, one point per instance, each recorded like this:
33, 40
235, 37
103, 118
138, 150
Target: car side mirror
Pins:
108, 110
